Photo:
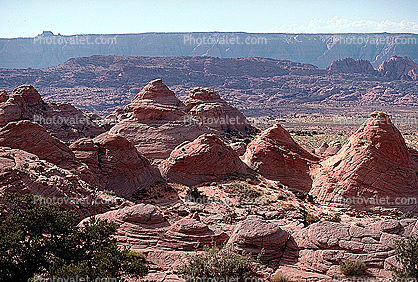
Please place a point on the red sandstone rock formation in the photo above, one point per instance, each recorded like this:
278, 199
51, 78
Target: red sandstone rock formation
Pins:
155, 121
350, 65
254, 234
374, 164
116, 163
61, 120
22, 172
207, 107
399, 68
275, 155
207, 158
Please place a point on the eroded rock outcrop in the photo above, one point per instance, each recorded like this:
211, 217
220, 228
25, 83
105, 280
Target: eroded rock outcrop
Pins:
349, 65
399, 68
374, 168
326, 150
155, 121
22, 172
61, 120
189, 234
256, 234
116, 163
275, 155
324, 244
206, 106
206, 158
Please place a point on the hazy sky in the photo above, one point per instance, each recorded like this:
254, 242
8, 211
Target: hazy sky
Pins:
24, 18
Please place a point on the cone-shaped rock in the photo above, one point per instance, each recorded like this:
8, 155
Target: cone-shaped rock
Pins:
275, 155
205, 159
155, 122
206, 105
374, 168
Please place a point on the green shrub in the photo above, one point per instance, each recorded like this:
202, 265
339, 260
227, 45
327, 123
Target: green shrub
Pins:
309, 219
406, 253
280, 277
407, 215
352, 268
243, 191
335, 218
194, 193
43, 239
214, 262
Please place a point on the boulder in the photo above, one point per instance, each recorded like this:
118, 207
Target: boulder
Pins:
255, 235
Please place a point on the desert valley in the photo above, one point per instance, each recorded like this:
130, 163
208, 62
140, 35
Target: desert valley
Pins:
303, 169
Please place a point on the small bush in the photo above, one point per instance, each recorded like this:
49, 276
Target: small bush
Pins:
352, 268
242, 191
406, 253
359, 224
407, 215
309, 219
214, 262
335, 218
280, 277
310, 199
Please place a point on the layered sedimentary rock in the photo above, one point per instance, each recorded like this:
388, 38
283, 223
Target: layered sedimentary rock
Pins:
62, 120
399, 68
155, 121
206, 158
206, 106
374, 168
324, 244
116, 163
189, 234
326, 150
22, 172
275, 155
256, 235
349, 65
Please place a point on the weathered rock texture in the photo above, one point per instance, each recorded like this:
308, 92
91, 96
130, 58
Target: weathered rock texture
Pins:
155, 121
276, 156
256, 234
326, 150
349, 65
399, 68
374, 164
62, 120
206, 158
207, 107
116, 163
324, 244
22, 172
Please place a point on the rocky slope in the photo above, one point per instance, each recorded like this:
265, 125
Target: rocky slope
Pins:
115, 163
62, 120
275, 155
47, 49
205, 159
374, 168
156, 122
256, 86
399, 68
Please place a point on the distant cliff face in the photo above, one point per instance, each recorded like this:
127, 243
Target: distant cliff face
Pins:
47, 49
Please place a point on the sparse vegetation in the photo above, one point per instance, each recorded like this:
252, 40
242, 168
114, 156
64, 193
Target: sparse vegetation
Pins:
41, 239
280, 277
352, 268
335, 218
216, 262
406, 253
310, 219
359, 224
243, 191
